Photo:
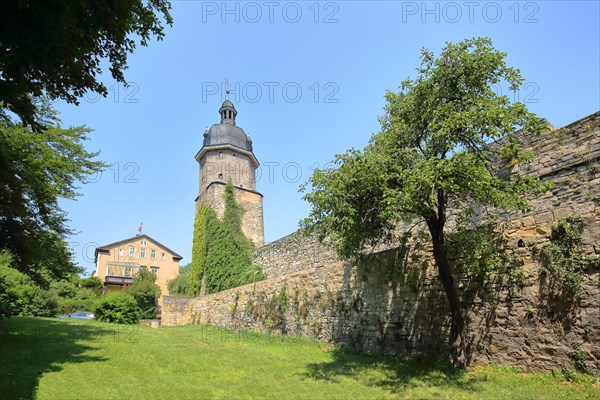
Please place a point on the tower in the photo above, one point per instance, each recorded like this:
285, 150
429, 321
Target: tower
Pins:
226, 153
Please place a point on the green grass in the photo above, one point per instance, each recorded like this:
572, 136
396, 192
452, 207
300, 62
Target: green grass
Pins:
47, 358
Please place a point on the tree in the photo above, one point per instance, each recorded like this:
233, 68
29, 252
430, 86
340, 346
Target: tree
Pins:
181, 285
35, 171
145, 292
55, 48
441, 139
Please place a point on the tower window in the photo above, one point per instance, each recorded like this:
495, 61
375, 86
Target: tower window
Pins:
220, 177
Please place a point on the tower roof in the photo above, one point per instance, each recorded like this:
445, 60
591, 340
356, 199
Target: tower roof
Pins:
227, 132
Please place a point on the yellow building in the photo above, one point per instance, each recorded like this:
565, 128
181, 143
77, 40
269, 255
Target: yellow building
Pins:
118, 263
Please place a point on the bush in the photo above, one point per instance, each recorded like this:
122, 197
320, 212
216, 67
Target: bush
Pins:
145, 294
119, 307
84, 300
10, 282
38, 302
93, 284
181, 285
19, 295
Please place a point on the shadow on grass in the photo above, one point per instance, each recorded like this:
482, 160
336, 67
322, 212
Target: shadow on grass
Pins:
30, 347
392, 373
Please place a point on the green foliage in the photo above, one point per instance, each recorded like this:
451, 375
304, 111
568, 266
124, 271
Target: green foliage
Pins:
38, 302
228, 251
564, 260
93, 283
11, 281
144, 275
83, 35
443, 137
20, 295
146, 293
37, 171
432, 153
476, 251
76, 294
119, 307
579, 360
84, 300
181, 285
199, 247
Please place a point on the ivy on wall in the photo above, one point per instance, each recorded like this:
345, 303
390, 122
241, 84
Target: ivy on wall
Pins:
221, 253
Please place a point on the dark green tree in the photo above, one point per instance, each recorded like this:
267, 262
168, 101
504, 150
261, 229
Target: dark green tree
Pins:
145, 292
434, 153
55, 48
181, 285
35, 172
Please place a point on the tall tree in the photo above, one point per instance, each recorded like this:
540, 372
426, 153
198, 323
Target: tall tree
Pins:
434, 153
35, 171
56, 47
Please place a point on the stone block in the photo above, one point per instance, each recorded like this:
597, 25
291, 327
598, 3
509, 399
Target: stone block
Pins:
545, 217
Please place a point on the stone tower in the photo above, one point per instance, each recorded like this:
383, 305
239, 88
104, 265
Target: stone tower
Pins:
226, 153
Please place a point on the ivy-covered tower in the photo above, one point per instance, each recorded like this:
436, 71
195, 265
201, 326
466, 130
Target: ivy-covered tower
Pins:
226, 154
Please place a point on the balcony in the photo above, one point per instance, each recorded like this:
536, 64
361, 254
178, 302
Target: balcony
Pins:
121, 273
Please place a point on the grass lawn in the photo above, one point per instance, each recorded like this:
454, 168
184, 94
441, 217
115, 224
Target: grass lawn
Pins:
48, 358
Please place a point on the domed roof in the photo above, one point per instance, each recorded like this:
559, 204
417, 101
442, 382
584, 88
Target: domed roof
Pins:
224, 133
227, 133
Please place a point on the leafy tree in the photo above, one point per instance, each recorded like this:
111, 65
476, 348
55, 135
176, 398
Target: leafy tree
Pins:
181, 285
145, 292
35, 171
434, 153
55, 48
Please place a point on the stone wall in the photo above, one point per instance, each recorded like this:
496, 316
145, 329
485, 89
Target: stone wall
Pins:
293, 253
404, 312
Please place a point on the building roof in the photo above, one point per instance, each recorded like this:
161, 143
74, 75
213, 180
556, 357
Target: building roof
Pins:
107, 247
226, 132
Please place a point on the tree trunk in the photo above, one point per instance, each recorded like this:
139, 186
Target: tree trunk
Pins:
457, 328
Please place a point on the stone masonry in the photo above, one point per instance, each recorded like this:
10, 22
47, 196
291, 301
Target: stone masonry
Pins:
309, 291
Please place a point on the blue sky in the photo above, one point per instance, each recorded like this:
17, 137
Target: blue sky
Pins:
308, 80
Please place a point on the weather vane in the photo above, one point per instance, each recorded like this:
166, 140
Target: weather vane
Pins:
226, 89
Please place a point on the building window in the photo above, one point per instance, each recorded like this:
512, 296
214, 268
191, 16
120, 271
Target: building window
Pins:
127, 272
163, 257
221, 177
234, 154
120, 252
220, 154
155, 270
131, 251
143, 242
153, 254
143, 252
